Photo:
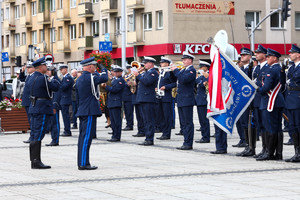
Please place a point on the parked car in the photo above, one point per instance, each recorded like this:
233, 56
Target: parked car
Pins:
9, 91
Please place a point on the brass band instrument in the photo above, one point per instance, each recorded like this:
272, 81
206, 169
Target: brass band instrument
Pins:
131, 77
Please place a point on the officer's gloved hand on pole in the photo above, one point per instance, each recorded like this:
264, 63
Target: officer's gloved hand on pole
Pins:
284, 64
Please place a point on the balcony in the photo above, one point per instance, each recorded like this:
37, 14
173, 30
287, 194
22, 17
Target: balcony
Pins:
109, 6
42, 49
25, 22
11, 52
85, 43
135, 4
43, 18
7, 25
63, 47
10, 1
63, 15
133, 39
85, 10
23, 50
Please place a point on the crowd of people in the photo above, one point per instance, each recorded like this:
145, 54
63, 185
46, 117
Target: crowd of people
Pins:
150, 93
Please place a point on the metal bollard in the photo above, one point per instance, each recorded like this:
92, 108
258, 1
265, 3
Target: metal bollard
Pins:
1, 133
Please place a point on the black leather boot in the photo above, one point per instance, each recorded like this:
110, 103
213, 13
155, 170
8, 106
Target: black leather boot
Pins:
279, 147
252, 144
271, 146
35, 157
247, 142
263, 140
296, 157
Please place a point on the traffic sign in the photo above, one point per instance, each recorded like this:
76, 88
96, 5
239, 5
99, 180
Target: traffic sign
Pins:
105, 46
5, 57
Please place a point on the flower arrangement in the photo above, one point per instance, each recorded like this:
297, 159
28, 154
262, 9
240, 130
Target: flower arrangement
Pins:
102, 103
10, 103
103, 58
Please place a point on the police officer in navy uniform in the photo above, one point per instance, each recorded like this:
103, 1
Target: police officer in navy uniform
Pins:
66, 98
201, 101
128, 106
293, 100
88, 109
114, 102
272, 110
40, 109
137, 107
186, 98
164, 91
54, 120
146, 98
26, 90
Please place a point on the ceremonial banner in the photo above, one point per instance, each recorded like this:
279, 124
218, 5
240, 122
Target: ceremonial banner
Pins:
203, 7
230, 92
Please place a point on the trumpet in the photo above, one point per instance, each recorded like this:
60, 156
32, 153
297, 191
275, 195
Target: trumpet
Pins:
178, 64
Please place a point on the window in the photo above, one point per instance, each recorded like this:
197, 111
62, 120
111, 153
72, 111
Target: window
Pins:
52, 35
52, 5
60, 32
104, 26
7, 41
6, 13
81, 30
2, 14
17, 40
33, 8
73, 32
41, 6
276, 21
297, 20
131, 23
17, 12
95, 28
95, 1
118, 25
42, 36
60, 4
34, 37
24, 9
160, 21
147, 21
73, 3
23, 38
252, 16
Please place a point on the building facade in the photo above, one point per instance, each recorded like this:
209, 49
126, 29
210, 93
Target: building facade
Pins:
72, 29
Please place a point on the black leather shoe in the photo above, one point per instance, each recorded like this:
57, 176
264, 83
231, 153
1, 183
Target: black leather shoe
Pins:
127, 129
163, 138
180, 133
198, 129
66, 135
240, 144
52, 144
37, 164
202, 141
146, 143
183, 147
110, 133
87, 167
295, 158
248, 153
107, 126
139, 135
74, 127
113, 140
219, 152
289, 143
27, 141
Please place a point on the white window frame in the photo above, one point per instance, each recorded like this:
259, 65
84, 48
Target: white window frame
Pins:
33, 8
23, 9
7, 11
104, 26
17, 12
60, 32
17, 40
42, 35
2, 15
256, 21
95, 1
281, 26
24, 38
297, 20
160, 27
147, 20
34, 37
81, 30
52, 5
52, 35
131, 23
73, 3
60, 4
72, 29
118, 26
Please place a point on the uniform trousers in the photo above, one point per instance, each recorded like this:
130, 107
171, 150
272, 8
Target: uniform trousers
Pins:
204, 122
186, 114
55, 127
116, 122
221, 139
294, 120
38, 126
28, 118
166, 121
174, 113
66, 118
158, 115
258, 120
242, 124
272, 120
139, 119
87, 129
128, 109
74, 111
148, 119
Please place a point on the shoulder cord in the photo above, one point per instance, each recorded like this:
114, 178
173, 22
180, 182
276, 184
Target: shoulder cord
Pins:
51, 96
93, 88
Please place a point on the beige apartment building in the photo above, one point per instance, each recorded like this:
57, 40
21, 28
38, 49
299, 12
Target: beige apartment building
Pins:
71, 29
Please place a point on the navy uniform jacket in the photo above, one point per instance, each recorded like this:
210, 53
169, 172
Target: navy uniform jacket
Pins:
66, 90
257, 74
147, 85
169, 85
201, 97
127, 94
87, 103
38, 88
186, 82
56, 96
27, 87
114, 99
134, 101
293, 87
270, 80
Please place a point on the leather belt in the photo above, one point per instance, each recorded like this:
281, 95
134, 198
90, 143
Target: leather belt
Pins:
293, 89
